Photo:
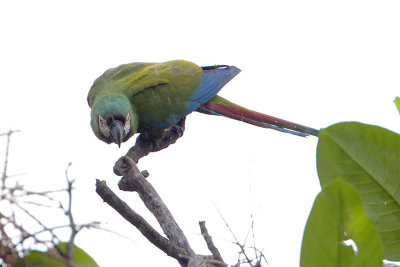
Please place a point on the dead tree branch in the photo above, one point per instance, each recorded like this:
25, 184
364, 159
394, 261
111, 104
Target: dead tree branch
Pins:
16, 198
139, 222
210, 244
176, 244
133, 180
244, 256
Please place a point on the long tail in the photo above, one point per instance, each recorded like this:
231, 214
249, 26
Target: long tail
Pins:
222, 107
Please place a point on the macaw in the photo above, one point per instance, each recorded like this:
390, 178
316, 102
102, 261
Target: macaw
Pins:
148, 97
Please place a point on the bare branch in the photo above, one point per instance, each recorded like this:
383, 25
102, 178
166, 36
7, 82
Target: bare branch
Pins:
139, 222
4, 176
16, 196
234, 236
133, 180
209, 242
73, 227
10, 132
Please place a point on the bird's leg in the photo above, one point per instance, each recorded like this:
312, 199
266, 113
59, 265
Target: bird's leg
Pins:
164, 137
156, 140
177, 129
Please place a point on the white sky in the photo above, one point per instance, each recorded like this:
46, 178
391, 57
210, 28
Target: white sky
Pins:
311, 62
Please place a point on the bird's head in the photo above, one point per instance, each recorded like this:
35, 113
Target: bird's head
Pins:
113, 119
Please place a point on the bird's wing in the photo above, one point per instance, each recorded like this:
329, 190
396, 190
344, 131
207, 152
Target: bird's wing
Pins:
122, 79
212, 81
180, 88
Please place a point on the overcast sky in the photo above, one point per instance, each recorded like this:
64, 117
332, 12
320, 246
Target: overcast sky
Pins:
312, 62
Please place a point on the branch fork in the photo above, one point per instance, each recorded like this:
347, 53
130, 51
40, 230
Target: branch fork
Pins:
175, 244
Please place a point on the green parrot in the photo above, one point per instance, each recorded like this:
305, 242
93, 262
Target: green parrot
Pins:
148, 97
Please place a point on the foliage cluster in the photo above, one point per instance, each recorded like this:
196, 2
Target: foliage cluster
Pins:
355, 220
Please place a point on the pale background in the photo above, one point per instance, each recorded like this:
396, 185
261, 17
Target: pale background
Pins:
311, 62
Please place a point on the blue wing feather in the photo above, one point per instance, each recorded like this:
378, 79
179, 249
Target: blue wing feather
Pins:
212, 81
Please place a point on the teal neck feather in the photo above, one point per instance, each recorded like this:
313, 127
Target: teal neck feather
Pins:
112, 106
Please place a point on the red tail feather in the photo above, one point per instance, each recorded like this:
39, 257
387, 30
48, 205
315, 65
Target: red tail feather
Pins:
259, 119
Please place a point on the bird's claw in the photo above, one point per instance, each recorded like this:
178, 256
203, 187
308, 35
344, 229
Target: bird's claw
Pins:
160, 140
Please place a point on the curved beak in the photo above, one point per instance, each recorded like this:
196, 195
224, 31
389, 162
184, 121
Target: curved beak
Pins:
117, 132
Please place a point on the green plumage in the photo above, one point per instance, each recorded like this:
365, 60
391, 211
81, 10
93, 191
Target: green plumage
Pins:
157, 94
148, 97
155, 90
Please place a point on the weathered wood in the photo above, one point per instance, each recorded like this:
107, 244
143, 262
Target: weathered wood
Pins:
133, 180
176, 244
139, 222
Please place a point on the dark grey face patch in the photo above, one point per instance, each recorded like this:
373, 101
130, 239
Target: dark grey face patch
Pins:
105, 127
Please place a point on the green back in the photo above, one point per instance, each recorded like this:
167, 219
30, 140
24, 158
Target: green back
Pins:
158, 92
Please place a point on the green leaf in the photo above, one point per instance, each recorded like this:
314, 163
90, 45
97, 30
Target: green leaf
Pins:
39, 259
368, 158
52, 258
338, 215
397, 102
81, 259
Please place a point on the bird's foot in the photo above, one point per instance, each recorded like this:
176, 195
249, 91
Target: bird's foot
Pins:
168, 136
175, 131
156, 140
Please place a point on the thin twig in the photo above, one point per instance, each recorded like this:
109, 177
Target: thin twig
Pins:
10, 132
6, 161
210, 244
17, 196
234, 236
68, 212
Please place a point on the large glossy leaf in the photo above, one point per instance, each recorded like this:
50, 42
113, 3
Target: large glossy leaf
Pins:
52, 258
338, 216
368, 158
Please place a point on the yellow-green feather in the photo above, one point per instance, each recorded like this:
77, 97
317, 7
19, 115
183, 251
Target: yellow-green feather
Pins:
158, 92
